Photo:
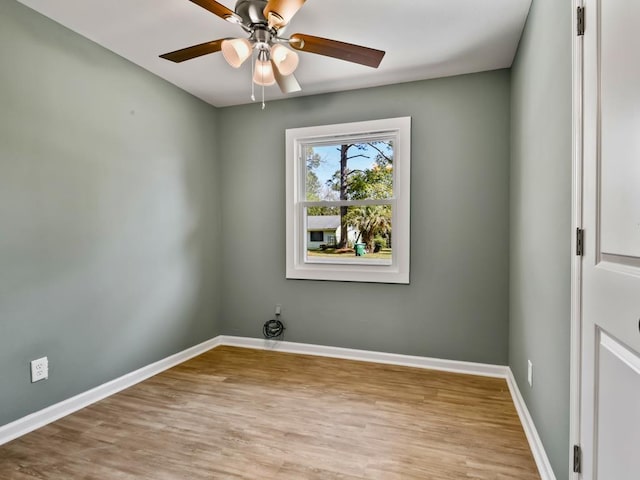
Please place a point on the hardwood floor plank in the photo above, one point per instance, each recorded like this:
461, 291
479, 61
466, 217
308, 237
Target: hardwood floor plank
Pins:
236, 413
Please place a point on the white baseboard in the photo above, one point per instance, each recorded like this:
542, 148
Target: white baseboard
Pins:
50, 414
484, 369
537, 449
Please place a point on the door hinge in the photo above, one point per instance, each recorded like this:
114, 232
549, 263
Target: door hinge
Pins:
580, 21
577, 459
579, 242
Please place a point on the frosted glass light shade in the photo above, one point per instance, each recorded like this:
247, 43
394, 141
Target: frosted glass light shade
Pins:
286, 60
263, 74
236, 51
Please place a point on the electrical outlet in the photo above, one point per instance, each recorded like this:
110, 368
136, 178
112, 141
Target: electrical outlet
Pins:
530, 373
278, 309
39, 369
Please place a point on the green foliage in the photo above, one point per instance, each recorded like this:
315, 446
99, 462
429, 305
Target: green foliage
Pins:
318, 211
370, 221
378, 241
313, 185
374, 183
313, 159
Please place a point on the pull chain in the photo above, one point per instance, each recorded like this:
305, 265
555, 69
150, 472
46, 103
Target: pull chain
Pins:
262, 82
253, 88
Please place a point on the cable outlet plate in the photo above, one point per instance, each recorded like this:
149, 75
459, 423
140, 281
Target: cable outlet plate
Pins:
39, 369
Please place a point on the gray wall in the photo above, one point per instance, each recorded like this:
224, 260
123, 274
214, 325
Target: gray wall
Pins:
456, 306
541, 222
109, 226
113, 254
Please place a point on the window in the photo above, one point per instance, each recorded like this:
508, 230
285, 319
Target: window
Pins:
349, 184
316, 236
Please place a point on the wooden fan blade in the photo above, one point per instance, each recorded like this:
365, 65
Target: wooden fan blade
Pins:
194, 51
215, 8
287, 83
282, 11
332, 48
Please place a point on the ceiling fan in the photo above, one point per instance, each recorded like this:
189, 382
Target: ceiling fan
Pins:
264, 21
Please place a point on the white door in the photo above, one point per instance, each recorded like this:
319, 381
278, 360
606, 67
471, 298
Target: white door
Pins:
610, 378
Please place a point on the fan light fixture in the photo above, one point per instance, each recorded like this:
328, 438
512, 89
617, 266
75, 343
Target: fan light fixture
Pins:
236, 51
286, 60
263, 73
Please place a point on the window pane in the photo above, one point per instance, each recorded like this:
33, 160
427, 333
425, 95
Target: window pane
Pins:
360, 234
354, 171
316, 236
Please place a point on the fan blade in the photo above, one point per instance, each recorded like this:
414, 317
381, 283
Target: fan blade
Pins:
215, 8
282, 11
194, 51
287, 83
332, 48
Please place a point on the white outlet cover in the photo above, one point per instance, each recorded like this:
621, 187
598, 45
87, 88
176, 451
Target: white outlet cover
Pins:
39, 369
530, 373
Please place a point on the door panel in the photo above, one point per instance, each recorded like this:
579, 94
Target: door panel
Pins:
618, 435
620, 129
610, 339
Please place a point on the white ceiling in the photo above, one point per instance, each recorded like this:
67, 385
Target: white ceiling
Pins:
423, 39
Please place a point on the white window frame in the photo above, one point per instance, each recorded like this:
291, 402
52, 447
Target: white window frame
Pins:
399, 129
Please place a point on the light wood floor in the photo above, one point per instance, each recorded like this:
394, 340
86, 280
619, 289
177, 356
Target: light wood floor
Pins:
236, 413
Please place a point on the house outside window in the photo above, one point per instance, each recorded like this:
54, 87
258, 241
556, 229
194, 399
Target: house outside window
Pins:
348, 201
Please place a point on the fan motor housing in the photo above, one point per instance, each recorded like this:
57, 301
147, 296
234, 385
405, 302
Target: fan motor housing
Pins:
251, 11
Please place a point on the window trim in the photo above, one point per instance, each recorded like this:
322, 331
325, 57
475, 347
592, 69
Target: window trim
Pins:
398, 270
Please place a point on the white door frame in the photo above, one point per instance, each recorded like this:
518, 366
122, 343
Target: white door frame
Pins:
576, 223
